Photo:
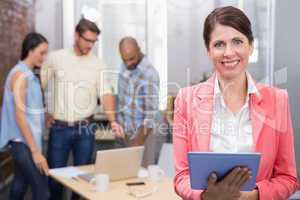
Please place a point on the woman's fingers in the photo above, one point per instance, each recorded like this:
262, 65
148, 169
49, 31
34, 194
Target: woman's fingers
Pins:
212, 179
230, 186
237, 176
244, 179
42, 165
45, 168
241, 178
229, 179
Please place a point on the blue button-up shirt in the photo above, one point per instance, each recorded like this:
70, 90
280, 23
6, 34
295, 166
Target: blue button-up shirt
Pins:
138, 97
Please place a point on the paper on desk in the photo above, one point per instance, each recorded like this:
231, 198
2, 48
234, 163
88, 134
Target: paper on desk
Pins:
66, 172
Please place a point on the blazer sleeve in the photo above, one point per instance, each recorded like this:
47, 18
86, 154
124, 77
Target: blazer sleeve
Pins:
180, 149
284, 181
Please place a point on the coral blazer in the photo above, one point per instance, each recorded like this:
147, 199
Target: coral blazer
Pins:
272, 137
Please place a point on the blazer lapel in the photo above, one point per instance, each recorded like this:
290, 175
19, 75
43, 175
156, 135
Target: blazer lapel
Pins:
202, 113
258, 117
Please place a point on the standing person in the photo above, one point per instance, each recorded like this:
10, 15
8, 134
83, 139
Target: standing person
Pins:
77, 77
22, 121
138, 90
232, 113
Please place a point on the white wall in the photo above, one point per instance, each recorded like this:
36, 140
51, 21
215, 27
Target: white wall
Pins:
187, 57
48, 21
287, 60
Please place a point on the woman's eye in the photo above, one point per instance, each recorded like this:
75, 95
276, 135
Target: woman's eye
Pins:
219, 44
237, 42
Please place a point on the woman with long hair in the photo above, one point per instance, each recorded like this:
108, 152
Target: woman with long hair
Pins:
22, 121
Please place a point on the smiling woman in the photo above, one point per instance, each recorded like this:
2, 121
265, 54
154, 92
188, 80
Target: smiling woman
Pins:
232, 113
229, 41
229, 50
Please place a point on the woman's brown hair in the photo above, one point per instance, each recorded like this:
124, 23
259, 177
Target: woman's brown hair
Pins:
227, 16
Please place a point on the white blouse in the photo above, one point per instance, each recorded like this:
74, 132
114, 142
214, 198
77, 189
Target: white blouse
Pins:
231, 132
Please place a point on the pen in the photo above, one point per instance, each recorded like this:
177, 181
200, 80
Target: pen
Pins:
135, 183
75, 178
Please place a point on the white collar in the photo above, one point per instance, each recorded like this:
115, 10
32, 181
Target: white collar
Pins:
250, 83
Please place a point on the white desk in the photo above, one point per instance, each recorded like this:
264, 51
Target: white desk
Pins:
118, 189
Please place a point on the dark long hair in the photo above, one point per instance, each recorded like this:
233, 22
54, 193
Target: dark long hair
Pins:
31, 41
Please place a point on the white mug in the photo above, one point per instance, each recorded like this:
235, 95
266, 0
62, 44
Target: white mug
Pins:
155, 172
102, 182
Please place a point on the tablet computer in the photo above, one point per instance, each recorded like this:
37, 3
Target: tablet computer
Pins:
202, 164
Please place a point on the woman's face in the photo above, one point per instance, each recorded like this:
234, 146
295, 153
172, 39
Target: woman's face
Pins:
229, 51
39, 54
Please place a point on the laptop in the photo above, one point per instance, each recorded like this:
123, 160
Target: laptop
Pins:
202, 164
121, 163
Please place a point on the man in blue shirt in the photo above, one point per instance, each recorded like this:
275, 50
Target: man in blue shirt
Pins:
138, 94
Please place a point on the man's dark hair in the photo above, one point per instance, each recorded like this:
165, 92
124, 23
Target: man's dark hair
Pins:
86, 25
